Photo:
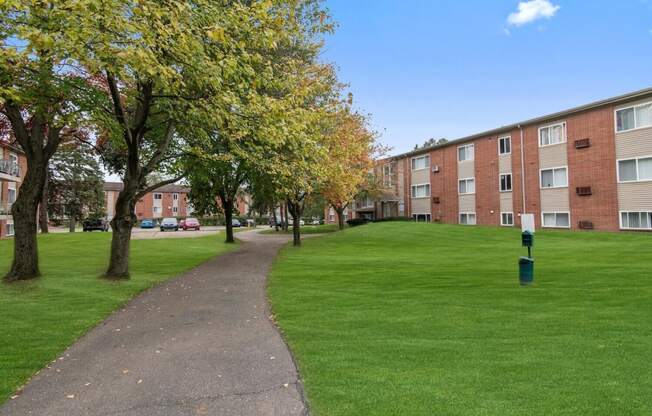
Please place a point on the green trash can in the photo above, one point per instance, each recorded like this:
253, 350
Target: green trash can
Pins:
526, 270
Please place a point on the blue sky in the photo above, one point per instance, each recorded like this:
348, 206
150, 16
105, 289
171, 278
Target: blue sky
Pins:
447, 68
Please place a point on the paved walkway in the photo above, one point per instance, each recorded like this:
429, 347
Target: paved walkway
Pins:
201, 344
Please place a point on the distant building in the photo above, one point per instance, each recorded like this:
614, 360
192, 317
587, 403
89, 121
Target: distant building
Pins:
13, 166
166, 201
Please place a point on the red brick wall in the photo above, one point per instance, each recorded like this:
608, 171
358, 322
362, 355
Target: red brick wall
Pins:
594, 166
407, 181
531, 159
517, 184
487, 195
444, 185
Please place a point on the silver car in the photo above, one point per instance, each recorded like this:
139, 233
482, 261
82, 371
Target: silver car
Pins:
169, 224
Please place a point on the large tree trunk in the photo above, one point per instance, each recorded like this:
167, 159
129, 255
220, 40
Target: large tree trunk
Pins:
340, 216
122, 223
227, 204
43, 207
24, 210
275, 219
295, 210
72, 224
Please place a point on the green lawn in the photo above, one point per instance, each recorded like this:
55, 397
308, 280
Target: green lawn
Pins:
39, 319
307, 229
425, 319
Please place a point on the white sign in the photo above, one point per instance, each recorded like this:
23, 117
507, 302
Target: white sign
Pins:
527, 222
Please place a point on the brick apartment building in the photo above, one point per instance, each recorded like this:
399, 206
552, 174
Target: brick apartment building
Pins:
588, 167
166, 201
13, 166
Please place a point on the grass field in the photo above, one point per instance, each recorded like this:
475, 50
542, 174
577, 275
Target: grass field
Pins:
39, 319
307, 229
424, 319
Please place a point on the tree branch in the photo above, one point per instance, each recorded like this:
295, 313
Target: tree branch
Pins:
160, 150
18, 124
118, 110
158, 185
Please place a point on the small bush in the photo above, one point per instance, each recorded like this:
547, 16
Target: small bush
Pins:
386, 219
357, 221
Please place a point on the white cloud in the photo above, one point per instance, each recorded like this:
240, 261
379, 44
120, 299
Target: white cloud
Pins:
529, 11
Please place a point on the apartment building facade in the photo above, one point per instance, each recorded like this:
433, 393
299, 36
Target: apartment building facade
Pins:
166, 201
13, 166
586, 168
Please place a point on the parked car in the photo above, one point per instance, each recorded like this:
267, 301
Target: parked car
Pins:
235, 223
98, 224
169, 224
147, 223
190, 224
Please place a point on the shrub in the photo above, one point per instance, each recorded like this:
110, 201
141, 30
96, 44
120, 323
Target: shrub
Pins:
393, 219
357, 221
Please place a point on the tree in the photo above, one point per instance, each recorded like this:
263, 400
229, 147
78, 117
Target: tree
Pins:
42, 98
431, 142
349, 159
75, 183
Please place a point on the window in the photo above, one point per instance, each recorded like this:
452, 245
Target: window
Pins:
421, 162
421, 191
506, 182
556, 219
467, 218
387, 175
175, 196
636, 220
634, 170
11, 192
504, 145
553, 134
175, 209
634, 117
156, 210
158, 196
507, 219
467, 186
554, 178
331, 217
421, 217
10, 230
465, 153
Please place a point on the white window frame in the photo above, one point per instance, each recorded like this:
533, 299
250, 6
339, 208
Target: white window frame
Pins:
549, 126
427, 157
413, 187
388, 172
556, 213
156, 209
12, 193
175, 210
632, 107
467, 186
620, 220
511, 182
13, 229
504, 224
553, 177
508, 138
636, 159
466, 146
428, 217
159, 194
475, 218
175, 196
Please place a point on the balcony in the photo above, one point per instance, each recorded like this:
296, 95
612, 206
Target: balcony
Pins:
10, 168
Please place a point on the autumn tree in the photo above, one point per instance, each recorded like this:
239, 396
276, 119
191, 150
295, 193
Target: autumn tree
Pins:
349, 160
42, 96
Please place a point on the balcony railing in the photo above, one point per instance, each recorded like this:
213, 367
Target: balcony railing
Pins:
5, 208
9, 167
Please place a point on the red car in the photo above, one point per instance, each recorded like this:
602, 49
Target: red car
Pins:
190, 224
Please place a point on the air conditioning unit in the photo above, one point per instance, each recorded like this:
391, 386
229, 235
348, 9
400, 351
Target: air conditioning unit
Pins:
585, 225
582, 143
583, 190
435, 168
